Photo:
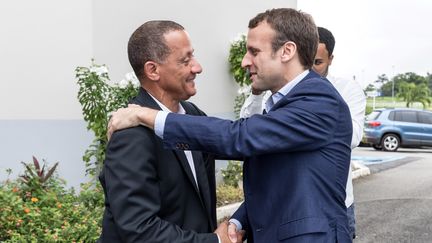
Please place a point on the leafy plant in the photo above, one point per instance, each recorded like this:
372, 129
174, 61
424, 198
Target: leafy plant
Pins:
35, 177
237, 52
45, 211
233, 173
410, 93
98, 98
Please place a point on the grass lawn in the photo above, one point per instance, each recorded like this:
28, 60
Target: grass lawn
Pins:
387, 102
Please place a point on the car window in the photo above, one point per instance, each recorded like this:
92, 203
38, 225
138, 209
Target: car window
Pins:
405, 116
391, 116
373, 115
425, 117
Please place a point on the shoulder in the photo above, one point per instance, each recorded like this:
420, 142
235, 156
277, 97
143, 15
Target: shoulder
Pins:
132, 136
192, 109
316, 85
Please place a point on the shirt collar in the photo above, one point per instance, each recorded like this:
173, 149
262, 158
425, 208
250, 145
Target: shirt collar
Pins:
288, 87
164, 108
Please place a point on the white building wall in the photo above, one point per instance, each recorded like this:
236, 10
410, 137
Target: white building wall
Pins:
42, 42
211, 25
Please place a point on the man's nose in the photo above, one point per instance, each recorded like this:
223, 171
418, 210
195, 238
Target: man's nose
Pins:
196, 67
246, 61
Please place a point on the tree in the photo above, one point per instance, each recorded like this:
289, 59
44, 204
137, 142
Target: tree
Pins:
428, 79
408, 77
382, 79
370, 87
410, 93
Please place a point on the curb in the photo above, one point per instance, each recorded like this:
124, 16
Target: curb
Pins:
227, 210
359, 169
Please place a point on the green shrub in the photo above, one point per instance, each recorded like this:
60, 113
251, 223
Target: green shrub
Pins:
99, 97
37, 210
227, 194
233, 173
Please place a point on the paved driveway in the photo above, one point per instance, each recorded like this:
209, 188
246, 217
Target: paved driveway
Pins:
394, 204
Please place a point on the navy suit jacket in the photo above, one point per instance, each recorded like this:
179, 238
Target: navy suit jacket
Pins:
297, 158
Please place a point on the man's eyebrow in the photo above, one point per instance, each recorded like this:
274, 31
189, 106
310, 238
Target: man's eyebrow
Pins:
252, 49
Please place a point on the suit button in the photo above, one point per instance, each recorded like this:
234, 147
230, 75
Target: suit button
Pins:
259, 230
186, 146
178, 146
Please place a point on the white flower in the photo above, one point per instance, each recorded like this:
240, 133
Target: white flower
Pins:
238, 38
99, 70
123, 83
132, 78
244, 89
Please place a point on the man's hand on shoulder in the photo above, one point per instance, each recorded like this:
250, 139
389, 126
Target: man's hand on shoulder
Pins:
132, 116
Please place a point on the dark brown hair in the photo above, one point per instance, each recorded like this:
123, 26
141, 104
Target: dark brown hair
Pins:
291, 25
147, 43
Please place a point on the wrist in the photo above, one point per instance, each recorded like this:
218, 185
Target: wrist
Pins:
146, 117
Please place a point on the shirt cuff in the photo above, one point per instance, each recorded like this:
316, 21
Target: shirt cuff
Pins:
237, 223
159, 126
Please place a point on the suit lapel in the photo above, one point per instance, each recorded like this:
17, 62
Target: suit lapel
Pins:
203, 182
144, 99
201, 172
181, 157
203, 192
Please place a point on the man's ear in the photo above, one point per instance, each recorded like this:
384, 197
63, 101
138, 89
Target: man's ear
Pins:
330, 59
289, 49
151, 70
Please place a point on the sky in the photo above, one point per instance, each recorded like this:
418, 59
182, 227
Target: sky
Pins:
375, 37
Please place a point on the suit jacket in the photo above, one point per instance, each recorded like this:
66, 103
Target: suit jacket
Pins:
296, 162
150, 192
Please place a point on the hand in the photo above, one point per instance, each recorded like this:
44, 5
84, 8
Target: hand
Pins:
222, 232
132, 116
234, 235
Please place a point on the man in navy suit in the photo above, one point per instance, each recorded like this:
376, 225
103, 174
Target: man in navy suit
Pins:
296, 155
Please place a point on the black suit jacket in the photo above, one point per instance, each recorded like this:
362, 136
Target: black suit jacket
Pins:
150, 192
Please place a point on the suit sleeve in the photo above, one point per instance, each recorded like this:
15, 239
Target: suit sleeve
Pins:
133, 191
303, 122
241, 215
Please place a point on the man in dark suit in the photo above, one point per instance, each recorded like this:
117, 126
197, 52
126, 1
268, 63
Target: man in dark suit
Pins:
154, 194
297, 155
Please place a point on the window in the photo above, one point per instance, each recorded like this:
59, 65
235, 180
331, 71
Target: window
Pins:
425, 117
372, 116
405, 116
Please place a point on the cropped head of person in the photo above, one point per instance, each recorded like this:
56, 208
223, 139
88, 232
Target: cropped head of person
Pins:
324, 55
281, 43
161, 55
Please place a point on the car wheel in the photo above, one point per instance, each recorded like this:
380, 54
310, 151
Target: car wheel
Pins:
390, 142
377, 147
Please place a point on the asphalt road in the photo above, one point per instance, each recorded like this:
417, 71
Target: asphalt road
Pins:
394, 203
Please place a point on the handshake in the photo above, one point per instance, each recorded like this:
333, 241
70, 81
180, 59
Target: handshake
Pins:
228, 233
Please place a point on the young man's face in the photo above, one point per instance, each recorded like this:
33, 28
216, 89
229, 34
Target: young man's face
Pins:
263, 64
322, 60
178, 71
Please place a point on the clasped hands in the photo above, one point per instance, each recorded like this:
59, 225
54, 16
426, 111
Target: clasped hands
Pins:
228, 233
